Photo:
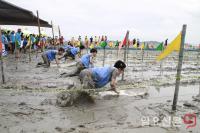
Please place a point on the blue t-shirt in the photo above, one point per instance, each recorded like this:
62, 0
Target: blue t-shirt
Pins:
74, 51
18, 38
51, 54
4, 39
85, 60
12, 38
101, 75
66, 47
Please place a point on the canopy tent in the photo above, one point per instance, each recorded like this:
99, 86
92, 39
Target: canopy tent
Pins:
13, 15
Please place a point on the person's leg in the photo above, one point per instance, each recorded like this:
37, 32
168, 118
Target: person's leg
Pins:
79, 68
86, 79
67, 54
71, 55
12, 47
73, 73
9, 47
6, 47
46, 61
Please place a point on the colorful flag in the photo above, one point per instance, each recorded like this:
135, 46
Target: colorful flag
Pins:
160, 47
91, 46
142, 46
116, 43
124, 41
110, 44
2, 49
29, 42
135, 45
173, 46
147, 46
1, 46
103, 44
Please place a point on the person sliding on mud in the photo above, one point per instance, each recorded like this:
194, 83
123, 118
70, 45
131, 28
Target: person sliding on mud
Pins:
98, 77
72, 52
86, 61
49, 56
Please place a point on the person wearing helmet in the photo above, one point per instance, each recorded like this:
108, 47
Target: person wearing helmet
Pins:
98, 77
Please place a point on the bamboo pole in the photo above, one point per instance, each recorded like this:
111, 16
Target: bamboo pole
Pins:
179, 68
59, 32
118, 53
161, 63
1, 57
53, 32
125, 51
104, 55
30, 47
127, 54
38, 20
198, 60
142, 55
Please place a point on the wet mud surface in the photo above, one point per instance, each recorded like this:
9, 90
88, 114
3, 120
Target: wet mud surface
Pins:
28, 100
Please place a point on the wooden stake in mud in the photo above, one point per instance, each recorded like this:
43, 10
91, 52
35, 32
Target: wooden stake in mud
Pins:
16, 51
104, 55
2, 68
59, 32
38, 19
30, 47
161, 62
125, 51
143, 54
52, 32
1, 57
179, 68
127, 54
198, 60
117, 53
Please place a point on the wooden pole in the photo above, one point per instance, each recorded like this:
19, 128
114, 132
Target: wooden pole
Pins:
52, 32
1, 57
117, 53
59, 32
125, 51
38, 19
16, 51
199, 89
198, 60
30, 47
142, 55
127, 54
59, 35
161, 62
104, 55
179, 68
2, 69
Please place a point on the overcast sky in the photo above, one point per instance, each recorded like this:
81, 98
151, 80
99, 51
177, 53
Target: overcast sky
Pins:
145, 19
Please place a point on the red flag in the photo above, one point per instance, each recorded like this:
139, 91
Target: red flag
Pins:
1, 45
124, 41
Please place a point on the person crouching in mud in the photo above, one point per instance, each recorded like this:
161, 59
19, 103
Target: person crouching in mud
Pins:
72, 52
98, 77
51, 55
86, 61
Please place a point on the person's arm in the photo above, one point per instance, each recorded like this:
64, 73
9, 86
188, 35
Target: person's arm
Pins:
113, 81
91, 62
57, 60
63, 56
